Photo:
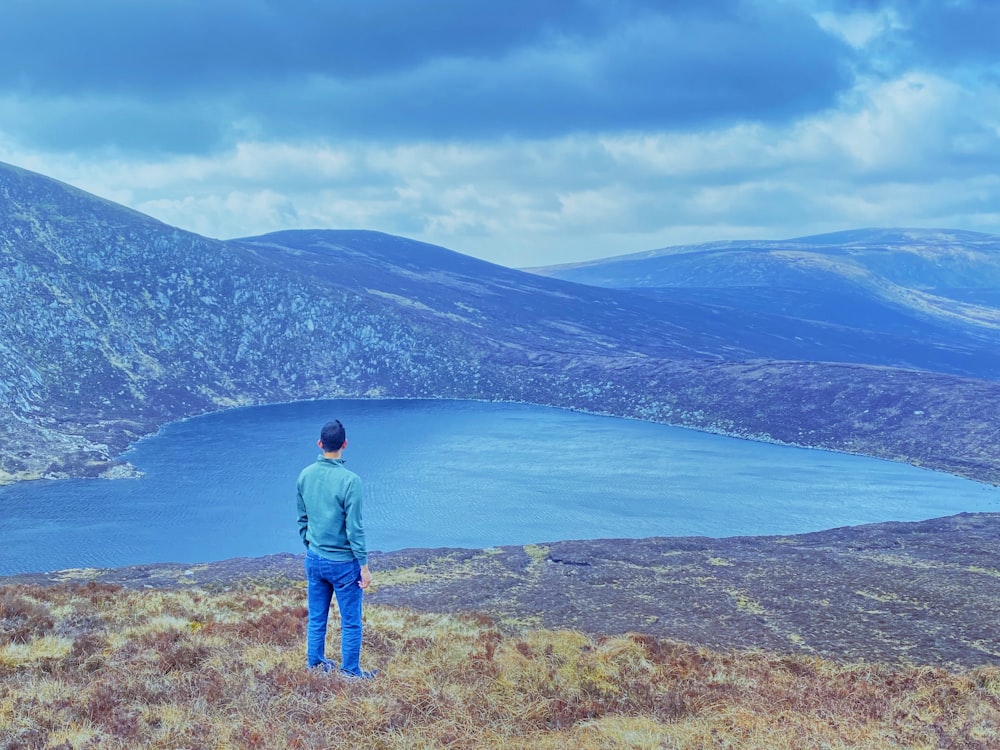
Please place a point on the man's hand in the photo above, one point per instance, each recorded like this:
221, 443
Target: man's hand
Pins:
366, 577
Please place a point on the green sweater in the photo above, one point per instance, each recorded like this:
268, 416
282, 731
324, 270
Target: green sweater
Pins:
330, 511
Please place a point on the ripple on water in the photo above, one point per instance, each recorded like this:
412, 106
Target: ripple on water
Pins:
455, 474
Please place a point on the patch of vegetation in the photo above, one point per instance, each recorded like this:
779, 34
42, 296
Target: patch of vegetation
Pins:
99, 666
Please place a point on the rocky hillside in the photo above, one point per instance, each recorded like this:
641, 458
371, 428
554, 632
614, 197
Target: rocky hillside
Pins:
113, 323
529, 312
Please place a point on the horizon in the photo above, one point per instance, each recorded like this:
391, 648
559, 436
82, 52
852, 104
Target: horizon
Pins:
571, 262
528, 134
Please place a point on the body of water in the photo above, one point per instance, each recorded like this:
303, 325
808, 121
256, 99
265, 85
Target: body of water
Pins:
454, 474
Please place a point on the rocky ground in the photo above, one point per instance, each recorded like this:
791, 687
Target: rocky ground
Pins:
921, 593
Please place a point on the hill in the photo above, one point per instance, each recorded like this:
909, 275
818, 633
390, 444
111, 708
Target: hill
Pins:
528, 312
923, 284
114, 323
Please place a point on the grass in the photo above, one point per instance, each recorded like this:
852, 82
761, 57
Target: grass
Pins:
98, 666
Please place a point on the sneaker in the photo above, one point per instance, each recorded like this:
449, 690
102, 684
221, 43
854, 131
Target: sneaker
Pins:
362, 675
324, 666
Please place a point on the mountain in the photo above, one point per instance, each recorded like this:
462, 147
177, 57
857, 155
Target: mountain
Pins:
913, 282
113, 323
530, 313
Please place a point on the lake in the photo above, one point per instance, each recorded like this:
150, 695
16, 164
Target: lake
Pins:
454, 474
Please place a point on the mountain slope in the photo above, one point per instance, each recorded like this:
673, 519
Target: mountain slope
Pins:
931, 282
113, 324
915, 258
532, 313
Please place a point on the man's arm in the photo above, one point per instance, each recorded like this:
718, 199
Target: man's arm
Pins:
303, 517
355, 528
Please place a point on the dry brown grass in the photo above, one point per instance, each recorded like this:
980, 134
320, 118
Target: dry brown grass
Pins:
96, 666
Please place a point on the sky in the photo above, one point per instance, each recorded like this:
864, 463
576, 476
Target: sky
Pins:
523, 132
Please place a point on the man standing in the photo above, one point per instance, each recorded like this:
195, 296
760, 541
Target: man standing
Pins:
329, 500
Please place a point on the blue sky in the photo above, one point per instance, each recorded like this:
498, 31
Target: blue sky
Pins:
526, 132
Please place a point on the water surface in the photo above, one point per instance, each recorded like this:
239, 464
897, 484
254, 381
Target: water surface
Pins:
455, 474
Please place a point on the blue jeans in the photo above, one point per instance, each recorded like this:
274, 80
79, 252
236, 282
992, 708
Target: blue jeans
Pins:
326, 578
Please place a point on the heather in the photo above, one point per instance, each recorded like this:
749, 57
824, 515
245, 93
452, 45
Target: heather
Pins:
100, 666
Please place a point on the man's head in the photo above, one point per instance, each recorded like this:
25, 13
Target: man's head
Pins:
333, 437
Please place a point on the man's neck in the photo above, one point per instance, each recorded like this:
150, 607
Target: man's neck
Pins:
334, 455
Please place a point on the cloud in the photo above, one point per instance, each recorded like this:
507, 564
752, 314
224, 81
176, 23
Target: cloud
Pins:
932, 34
174, 45
905, 153
860, 28
956, 32
98, 123
394, 68
528, 132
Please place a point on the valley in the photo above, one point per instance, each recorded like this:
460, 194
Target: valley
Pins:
114, 324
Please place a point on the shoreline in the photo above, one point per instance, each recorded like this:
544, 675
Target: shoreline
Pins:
119, 468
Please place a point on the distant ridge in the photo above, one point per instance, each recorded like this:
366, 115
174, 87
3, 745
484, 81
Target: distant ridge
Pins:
928, 284
935, 241
114, 323
947, 260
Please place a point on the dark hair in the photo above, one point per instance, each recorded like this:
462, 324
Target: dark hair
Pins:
333, 436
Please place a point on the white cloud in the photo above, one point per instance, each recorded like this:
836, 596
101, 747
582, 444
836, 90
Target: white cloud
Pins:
917, 150
860, 28
904, 124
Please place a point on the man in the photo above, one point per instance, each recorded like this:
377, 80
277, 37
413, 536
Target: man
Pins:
329, 500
